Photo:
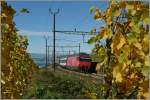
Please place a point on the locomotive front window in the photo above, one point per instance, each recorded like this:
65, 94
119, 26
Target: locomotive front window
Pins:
62, 61
85, 59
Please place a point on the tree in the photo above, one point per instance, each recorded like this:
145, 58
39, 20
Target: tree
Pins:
126, 52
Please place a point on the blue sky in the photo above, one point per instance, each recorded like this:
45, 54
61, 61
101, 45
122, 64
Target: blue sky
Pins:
39, 22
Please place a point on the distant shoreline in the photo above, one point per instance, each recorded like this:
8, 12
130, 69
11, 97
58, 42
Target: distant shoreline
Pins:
39, 59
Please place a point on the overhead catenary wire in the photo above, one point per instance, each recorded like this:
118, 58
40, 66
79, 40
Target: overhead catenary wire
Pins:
76, 32
66, 40
65, 46
70, 33
65, 51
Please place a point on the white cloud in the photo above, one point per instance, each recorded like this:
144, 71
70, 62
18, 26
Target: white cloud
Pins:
34, 33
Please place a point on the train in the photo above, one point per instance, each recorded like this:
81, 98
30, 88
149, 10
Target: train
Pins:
78, 62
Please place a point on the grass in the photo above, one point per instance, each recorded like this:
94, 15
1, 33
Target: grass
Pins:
47, 84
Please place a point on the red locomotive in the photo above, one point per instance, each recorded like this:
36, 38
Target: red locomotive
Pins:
80, 62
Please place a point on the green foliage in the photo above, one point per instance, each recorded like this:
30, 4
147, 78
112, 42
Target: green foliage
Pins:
91, 9
24, 10
94, 57
17, 65
60, 85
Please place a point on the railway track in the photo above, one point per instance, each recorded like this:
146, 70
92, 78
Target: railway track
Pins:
92, 76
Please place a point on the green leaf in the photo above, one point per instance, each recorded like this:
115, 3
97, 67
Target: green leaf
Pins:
132, 38
24, 10
123, 57
110, 33
93, 31
136, 28
146, 21
91, 40
145, 71
91, 9
138, 64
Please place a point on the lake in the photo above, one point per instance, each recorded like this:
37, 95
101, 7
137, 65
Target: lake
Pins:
39, 59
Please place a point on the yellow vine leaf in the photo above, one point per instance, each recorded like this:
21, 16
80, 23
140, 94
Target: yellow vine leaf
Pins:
140, 53
99, 65
97, 14
145, 71
137, 5
107, 12
2, 81
109, 20
146, 21
3, 15
117, 73
130, 7
117, 13
119, 77
131, 24
146, 95
145, 43
144, 87
138, 45
125, 65
133, 12
118, 41
7, 26
138, 64
122, 4
90, 95
146, 60
113, 1
122, 42
104, 32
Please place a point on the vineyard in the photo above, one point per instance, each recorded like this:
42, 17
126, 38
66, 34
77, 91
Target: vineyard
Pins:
122, 70
127, 48
17, 65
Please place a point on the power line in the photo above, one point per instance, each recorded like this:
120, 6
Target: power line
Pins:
67, 40
65, 51
77, 32
65, 46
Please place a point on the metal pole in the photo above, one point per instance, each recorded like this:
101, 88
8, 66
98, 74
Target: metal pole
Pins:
46, 38
79, 48
54, 44
48, 55
46, 52
69, 52
54, 13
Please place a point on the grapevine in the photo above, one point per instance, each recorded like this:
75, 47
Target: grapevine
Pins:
17, 65
125, 60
